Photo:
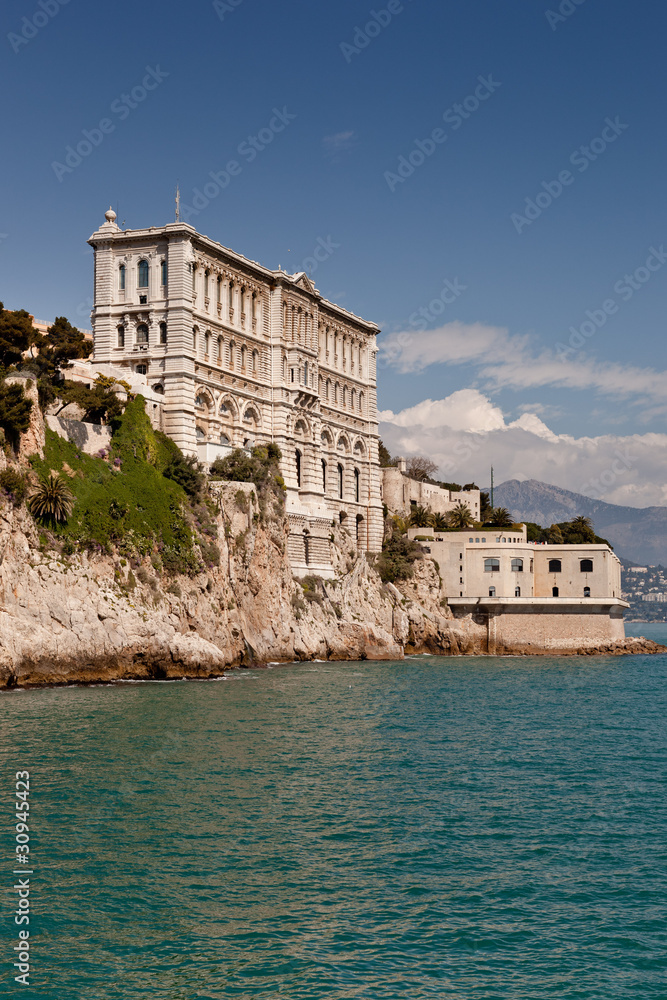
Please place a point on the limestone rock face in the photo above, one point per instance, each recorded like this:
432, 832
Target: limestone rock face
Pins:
84, 618
81, 618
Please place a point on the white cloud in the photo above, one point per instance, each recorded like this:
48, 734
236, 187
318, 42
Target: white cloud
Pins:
506, 361
465, 433
338, 142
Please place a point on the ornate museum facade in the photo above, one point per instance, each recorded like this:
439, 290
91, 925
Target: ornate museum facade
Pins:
243, 355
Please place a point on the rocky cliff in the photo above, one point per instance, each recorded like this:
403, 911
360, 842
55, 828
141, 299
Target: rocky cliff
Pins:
85, 615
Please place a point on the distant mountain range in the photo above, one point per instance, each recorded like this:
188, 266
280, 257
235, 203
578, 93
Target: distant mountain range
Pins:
638, 534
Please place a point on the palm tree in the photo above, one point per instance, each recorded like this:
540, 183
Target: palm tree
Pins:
401, 524
439, 522
420, 517
51, 501
460, 516
501, 518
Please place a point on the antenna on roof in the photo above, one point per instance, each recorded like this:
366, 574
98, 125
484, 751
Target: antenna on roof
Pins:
178, 203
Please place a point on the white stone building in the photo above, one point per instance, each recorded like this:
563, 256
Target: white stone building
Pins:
400, 492
529, 593
244, 355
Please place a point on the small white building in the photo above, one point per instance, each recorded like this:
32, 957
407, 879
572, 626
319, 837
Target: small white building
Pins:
564, 594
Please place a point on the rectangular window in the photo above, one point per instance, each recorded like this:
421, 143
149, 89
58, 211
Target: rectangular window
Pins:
163, 273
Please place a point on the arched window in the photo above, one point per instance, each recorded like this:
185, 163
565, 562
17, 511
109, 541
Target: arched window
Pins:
194, 278
353, 399
220, 350
121, 277
305, 373
517, 566
361, 402
327, 389
143, 274
219, 290
356, 485
163, 333
344, 395
492, 565
554, 591
492, 591
254, 362
194, 339
340, 480
232, 346
587, 591
243, 354
163, 273
517, 591
207, 275
253, 307
554, 567
231, 299
121, 336
324, 476
586, 565
298, 468
224, 439
201, 436
142, 334
335, 399
159, 388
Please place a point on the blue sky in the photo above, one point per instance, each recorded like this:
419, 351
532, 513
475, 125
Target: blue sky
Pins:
354, 103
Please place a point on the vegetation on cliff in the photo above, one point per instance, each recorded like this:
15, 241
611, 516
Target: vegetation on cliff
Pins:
130, 497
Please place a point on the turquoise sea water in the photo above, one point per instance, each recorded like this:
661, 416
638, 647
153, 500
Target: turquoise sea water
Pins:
467, 828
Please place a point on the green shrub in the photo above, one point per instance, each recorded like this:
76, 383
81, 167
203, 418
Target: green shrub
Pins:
14, 411
396, 560
312, 588
14, 484
259, 467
